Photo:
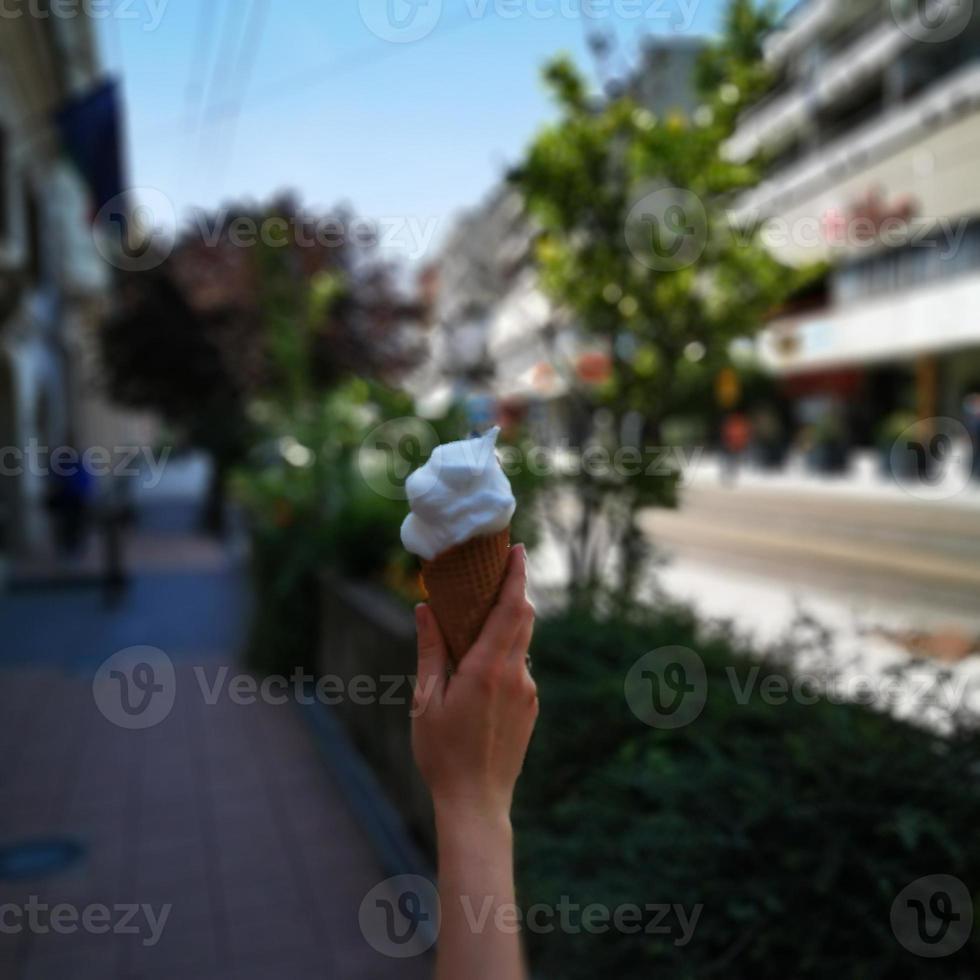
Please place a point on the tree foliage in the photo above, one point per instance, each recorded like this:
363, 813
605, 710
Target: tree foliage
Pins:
225, 322
220, 324
636, 243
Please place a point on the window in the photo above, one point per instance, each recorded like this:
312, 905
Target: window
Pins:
937, 258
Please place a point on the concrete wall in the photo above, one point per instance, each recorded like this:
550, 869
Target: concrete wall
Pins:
49, 339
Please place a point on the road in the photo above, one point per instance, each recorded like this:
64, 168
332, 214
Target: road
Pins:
922, 558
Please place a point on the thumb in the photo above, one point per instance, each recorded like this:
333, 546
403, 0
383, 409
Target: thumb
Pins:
433, 657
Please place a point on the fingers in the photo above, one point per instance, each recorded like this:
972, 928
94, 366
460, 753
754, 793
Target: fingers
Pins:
433, 658
522, 641
512, 616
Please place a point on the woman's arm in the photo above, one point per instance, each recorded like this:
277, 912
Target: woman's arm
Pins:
470, 735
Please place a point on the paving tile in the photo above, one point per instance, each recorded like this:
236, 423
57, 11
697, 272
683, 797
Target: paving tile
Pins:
274, 879
270, 934
367, 964
44, 952
10, 950
177, 951
188, 910
71, 966
249, 901
313, 965
185, 884
175, 843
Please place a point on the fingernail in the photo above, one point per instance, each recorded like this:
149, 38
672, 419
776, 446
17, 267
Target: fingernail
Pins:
421, 618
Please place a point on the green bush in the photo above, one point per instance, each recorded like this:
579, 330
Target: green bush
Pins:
310, 507
794, 825
284, 624
365, 534
305, 502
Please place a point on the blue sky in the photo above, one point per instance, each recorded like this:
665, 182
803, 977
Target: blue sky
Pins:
413, 129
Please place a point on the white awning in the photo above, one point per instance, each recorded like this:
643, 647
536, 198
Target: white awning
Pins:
939, 318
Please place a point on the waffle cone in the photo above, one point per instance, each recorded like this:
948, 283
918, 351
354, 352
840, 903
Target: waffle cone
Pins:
462, 585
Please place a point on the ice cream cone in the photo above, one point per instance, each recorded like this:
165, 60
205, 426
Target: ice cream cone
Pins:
460, 507
463, 584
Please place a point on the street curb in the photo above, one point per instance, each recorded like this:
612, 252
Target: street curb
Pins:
374, 810
371, 807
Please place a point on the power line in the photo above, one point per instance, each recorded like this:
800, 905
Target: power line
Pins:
258, 15
194, 92
197, 69
311, 77
249, 51
222, 68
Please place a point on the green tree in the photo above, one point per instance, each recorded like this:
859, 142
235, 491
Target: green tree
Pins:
220, 324
636, 243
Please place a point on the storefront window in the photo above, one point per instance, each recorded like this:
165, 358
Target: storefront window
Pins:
942, 255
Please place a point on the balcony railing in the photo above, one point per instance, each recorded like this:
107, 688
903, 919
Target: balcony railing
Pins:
776, 119
800, 25
953, 97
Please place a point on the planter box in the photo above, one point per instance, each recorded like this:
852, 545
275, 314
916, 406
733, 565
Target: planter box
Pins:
368, 643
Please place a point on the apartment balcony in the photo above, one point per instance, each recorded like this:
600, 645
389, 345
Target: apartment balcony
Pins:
830, 24
774, 122
802, 26
864, 156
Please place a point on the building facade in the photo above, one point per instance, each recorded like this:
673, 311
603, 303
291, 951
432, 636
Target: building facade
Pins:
53, 282
872, 137
496, 336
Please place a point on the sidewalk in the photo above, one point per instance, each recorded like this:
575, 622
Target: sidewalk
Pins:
223, 811
864, 480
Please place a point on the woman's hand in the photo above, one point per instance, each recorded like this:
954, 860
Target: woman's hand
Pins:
470, 733
471, 730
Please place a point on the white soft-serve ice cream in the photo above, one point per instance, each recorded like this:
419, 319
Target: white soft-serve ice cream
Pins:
460, 493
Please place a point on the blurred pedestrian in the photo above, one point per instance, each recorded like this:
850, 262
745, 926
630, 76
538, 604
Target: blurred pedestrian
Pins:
769, 438
736, 434
68, 500
114, 516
